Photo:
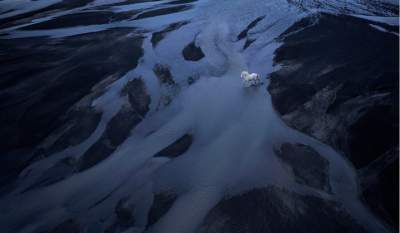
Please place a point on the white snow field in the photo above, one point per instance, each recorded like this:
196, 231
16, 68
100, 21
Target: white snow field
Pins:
235, 129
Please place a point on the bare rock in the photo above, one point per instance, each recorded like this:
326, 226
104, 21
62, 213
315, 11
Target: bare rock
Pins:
308, 166
278, 211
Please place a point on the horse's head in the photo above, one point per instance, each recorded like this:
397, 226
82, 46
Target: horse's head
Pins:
244, 74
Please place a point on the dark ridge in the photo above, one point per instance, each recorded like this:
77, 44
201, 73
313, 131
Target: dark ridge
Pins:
161, 204
11, 164
81, 19
287, 100
68, 226
64, 5
29, 118
275, 210
61, 170
169, 88
192, 53
69, 68
124, 218
81, 123
158, 36
163, 11
248, 43
243, 34
381, 186
382, 71
98, 202
120, 126
7, 11
390, 28
163, 74
351, 91
367, 140
192, 79
137, 96
180, 2
177, 148
308, 166
131, 2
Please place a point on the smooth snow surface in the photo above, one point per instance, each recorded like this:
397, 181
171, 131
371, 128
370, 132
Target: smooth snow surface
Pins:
235, 129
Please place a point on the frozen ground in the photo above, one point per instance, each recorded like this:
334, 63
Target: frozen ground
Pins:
235, 130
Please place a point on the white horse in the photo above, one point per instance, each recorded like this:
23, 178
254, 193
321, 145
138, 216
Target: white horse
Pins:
249, 80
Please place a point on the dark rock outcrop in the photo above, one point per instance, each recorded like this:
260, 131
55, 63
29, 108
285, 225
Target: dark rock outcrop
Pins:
177, 148
120, 126
81, 124
156, 37
124, 218
373, 7
79, 19
163, 11
169, 88
243, 34
180, 2
278, 211
163, 74
339, 84
28, 119
117, 130
70, 68
62, 169
192, 53
309, 167
192, 79
68, 226
248, 43
380, 186
137, 95
29, 16
162, 202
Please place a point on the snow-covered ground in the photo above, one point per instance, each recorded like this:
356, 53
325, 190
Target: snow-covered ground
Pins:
234, 129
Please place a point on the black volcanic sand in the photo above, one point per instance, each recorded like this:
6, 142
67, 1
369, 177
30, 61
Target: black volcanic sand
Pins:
275, 210
89, 18
163, 11
243, 34
251, 25
180, 2
177, 148
340, 77
82, 19
81, 123
382, 6
248, 43
163, 74
27, 17
132, 2
307, 165
192, 53
43, 77
119, 127
156, 37
68, 226
166, 80
124, 218
162, 202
